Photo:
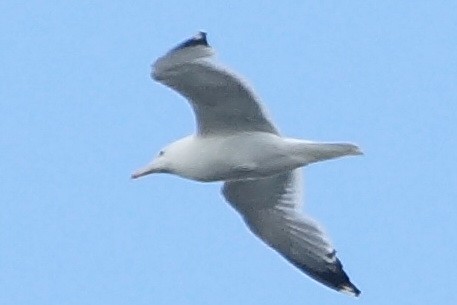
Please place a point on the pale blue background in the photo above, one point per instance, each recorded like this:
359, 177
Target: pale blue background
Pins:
79, 113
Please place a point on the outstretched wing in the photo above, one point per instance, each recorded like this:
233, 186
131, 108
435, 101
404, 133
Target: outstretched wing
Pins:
223, 102
270, 207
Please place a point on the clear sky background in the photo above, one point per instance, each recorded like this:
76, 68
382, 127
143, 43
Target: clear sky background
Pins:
79, 113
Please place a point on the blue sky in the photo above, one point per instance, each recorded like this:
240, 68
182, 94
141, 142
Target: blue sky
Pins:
78, 113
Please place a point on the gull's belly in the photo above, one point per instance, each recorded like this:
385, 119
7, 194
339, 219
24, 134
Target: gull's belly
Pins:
242, 156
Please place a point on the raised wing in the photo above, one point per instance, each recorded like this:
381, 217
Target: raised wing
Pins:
270, 208
223, 103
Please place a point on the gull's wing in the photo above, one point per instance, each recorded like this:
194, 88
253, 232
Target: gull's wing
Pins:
270, 207
223, 103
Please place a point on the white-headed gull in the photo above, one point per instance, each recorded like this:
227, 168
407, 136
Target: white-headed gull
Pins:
238, 144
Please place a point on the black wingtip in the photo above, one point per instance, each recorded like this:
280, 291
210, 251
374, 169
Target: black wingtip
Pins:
336, 278
345, 284
198, 40
349, 288
333, 276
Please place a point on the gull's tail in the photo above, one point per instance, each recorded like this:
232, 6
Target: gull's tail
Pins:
311, 152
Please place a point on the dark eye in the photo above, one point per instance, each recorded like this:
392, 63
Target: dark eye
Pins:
161, 153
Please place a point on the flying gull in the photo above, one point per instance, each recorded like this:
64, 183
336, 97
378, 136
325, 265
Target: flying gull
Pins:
238, 144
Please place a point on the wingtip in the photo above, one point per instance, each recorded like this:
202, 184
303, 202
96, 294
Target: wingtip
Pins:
191, 49
333, 276
349, 289
198, 39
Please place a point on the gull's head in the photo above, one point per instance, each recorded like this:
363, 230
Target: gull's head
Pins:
158, 165
170, 159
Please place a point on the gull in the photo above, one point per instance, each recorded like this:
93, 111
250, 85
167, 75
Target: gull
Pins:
237, 143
